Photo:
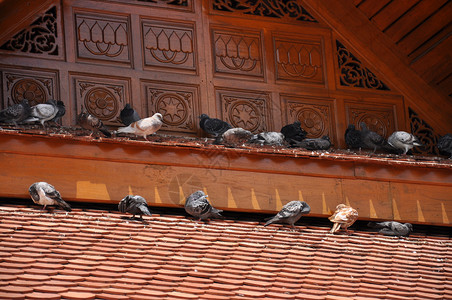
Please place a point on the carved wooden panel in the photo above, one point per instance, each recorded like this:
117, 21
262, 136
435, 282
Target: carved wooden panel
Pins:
379, 118
177, 103
353, 73
103, 37
35, 86
238, 53
246, 109
315, 114
285, 11
42, 38
299, 60
424, 132
169, 45
170, 4
101, 97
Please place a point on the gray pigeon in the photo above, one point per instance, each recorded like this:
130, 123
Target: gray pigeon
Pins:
403, 141
61, 112
135, 205
16, 113
144, 127
45, 194
43, 112
322, 143
392, 228
213, 126
353, 137
128, 115
268, 138
89, 122
290, 213
370, 139
235, 136
445, 144
198, 206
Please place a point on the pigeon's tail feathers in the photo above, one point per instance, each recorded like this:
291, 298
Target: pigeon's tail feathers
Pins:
63, 204
144, 209
216, 213
128, 129
105, 131
271, 220
377, 224
31, 119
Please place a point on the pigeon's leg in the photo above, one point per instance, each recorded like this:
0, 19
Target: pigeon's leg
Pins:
335, 227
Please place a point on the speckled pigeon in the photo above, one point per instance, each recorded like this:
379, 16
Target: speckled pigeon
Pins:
45, 194
290, 213
445, 144
403, 141
128, 115
213, 126
16, 113
343, 217
392, 228
135, 205
144, 127
234, 136
89, 122
322, 143
268, 138
198, 206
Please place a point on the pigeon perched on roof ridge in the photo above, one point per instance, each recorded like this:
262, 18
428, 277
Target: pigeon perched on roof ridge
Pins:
353, 137
89, 122
392, 228
128, 115
234, 137
445, 144
144, 127
43, 112
290, 213
293, 132
404, 141
44, 193
268, 138
343, 217
213, 126
198, 206
135, 205
370, 139
322, 143
16, 113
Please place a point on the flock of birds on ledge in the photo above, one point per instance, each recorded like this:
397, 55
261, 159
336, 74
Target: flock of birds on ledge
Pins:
293, 135
197, 204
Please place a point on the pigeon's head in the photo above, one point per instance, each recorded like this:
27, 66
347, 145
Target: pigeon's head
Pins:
52, 102
296, 123
24, 102
410, 227
127, 106
60, 103
306, 208
351, 127
203, 116
341, 206
158, 116
325, 137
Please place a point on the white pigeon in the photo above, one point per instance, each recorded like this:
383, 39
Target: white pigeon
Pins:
404, 141
144, 126
43, 112
45, 194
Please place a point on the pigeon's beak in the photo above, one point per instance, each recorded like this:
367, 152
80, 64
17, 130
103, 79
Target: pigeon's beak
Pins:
207, 196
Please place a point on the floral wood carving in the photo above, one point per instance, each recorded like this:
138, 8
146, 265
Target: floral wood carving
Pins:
424, 132
169, 45
314, 118
379, 120
301, 61
238, 54
354, 74
39, 38
102, 37
287, 10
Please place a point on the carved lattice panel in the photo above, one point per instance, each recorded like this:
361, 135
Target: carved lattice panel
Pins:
245, 109
35, 86
169, 45
238, 53
425, 133
42, 38
299, 60
177, 103
284, 11
315, 114
103, 37
380, 119
103, 98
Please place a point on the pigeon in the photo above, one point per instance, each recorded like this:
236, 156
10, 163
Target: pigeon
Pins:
128, 115
343, 217
16, 113
135, 205
45, 194
198, 206
89, 122
370, 139
353, 137
293, 132
61, 112
403, 141
235, 136
290, 213
392, 228
144, 126
445, 144
213, 126
322, 143
268, 138
43, 112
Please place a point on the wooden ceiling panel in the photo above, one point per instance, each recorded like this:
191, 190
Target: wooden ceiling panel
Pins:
371, 7
391, 12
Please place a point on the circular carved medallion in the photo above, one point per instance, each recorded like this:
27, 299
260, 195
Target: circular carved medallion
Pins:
101, 103
374, 123
245, 115
28, 89
311, 121
173, 108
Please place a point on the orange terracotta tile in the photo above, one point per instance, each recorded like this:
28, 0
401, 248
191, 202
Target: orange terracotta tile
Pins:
44, 296
78, 295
